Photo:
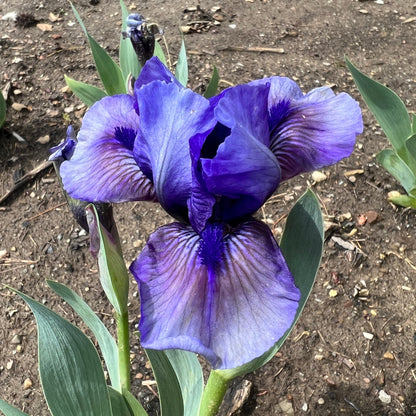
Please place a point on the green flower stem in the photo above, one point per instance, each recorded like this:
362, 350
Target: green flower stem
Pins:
123, 349
213, 394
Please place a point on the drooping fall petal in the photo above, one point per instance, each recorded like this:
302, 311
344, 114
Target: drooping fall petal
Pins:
226, 295
103, 167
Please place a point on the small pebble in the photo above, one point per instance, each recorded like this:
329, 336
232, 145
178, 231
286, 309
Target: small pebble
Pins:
318, 176
18, 106
367, 335
333, 293
384, 397
286, 407
17, 339
305, 407
388, 356
321, 401
44, 139
27, 384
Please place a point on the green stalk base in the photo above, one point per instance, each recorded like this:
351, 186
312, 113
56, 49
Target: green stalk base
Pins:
123, 350
213, 394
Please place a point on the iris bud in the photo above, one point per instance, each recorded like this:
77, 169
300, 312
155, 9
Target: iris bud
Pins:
142, 36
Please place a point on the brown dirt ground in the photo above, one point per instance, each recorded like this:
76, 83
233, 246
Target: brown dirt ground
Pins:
327, 366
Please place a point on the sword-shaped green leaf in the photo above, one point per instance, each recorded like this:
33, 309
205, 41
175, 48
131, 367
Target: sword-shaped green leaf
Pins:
110, 73
128, 59
87, 93
9, 410
181, 72
70, 369
213, 84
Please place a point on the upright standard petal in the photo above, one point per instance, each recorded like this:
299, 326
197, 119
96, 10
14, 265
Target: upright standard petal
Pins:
103, 167
235, 161
215, 294
154, 70
169, 116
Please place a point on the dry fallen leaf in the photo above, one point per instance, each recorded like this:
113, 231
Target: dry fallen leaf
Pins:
409, 20
44, 27
54, 17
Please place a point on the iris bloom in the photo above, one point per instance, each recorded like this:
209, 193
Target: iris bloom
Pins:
215, 282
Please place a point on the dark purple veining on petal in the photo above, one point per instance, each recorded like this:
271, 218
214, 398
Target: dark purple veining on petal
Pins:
277, 113
125, 136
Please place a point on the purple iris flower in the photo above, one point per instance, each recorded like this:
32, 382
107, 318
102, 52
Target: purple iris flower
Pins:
215, 282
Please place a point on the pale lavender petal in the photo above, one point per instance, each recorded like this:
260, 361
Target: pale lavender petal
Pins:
103, 167
228, 297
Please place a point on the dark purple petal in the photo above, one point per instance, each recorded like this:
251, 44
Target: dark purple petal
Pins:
315, 131
242, 170
64, 150
154, 70
169, 116
201, 202
229, 298
102, 167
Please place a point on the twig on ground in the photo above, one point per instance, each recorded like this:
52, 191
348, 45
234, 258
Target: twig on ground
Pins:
251, 49
406, 259
46, 211
25, 179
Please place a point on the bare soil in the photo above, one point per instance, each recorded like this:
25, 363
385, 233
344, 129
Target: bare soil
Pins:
329, 365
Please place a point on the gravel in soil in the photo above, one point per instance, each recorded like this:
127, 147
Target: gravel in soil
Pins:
353, 350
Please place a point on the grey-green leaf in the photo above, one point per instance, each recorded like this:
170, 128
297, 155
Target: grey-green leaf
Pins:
9, 410
159, 53
411, 145
181, 72
189, 374
70, 369
387, 107
3, 109
301, 245
87, 93
212, 87
113, 272
128, 59
398, 168
170, 393
136, 409
110, 73
118, 403
105, 341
